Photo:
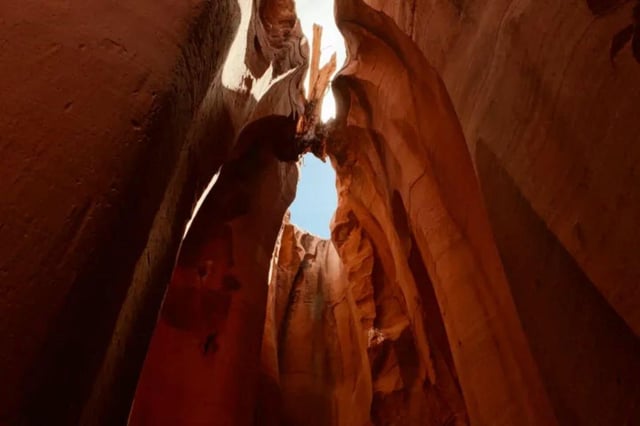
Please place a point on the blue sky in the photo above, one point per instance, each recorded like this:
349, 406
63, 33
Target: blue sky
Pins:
316, 197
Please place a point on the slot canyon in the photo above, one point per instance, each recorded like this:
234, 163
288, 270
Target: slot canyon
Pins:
483, 265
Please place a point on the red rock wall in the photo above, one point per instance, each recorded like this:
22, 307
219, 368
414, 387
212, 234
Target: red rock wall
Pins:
426, 308
204, 358
413, 380
314, 350
588, 358
551, 136
401, 150
551, 124
97, 104
203, 362
340, 347
533, 84
114, 119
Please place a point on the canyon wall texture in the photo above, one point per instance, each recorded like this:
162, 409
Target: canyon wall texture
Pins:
314, 355
483, 264
340, 347
203, 361
115, 117
99, 176
506, 319
402, 158
551, 123
534, 87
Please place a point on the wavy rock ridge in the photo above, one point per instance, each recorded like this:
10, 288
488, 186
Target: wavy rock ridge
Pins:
482, 267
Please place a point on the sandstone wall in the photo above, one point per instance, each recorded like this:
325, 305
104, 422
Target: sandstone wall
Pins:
551, 126
533, 85
203, 361
400, 145
314, 351
483, 263
114, 119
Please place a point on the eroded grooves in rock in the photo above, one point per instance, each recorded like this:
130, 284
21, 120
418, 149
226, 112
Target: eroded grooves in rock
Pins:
135, 119
205, 348
314, 354
484, 279
412, 143
552, 128
101, 182
555, 113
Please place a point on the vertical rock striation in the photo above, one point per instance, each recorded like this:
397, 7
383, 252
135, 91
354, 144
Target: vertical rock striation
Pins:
314, 354
551, 124
490, 279
204, 358
401, 157
534, 86
102, 159
115, 118
205, 347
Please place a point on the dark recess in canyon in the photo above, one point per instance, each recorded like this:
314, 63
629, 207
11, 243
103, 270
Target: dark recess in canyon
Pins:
483, 266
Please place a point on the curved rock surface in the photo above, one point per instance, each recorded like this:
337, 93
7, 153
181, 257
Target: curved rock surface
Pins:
204, 357
540, 100
115, 118
482, 267
314, 355
99, 175
551, 124
406, 161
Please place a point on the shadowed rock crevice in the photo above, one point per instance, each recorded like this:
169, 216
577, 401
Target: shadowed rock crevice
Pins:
482, 266
562, 313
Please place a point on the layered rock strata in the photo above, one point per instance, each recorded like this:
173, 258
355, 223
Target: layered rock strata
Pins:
115, 118
401, 159
314, 357
486, 280
551, 125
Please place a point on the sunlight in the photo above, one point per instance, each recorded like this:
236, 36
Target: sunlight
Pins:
316, 197
321, 13
206, 191
234, 67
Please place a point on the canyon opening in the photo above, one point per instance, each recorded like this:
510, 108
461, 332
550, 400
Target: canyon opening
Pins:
470, 259
316, 199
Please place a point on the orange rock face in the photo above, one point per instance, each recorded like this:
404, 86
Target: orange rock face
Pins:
469, 315
483, 264
410, 169
551, 125
114, 120
314, 354
552, 112
102, 160
204, 358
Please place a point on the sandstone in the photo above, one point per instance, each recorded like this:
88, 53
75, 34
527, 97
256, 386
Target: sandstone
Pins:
483, 261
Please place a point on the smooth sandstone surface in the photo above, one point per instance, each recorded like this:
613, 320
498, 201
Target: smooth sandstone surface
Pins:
533, 85
313, 352
99, 176
203, 361
482, 267
402, 144
115, 117
552, 127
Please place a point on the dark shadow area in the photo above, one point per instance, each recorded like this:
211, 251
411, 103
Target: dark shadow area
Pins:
68, 366
588, 358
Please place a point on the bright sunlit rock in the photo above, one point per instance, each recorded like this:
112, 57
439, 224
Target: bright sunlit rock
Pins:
321, 13
316, 197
